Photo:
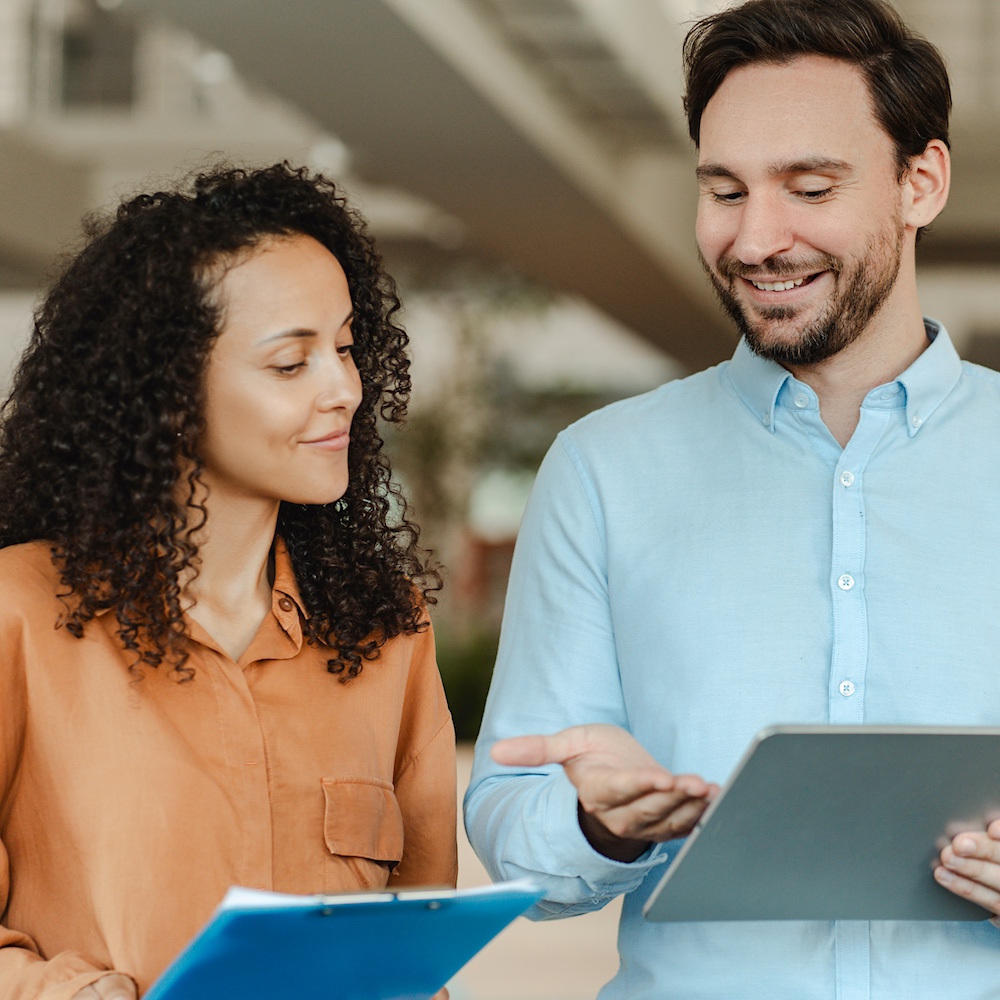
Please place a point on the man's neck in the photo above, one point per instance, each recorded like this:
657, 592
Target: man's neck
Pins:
879, 355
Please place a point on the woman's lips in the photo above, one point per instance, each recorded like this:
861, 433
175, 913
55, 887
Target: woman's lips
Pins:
334, 441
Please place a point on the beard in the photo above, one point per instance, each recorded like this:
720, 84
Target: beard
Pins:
860, 288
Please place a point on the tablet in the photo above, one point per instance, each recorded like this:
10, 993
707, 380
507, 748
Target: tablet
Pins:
836, 823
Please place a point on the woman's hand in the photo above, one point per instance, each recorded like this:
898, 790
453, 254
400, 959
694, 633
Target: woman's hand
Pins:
114, 986
970, 866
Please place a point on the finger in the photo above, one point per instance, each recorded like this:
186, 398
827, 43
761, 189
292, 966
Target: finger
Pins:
972, 859
523, 751
658, 816
553, 748
681, 821
111, 987
976, 845
695, 787
987, 873
116, 987
969, 889
604, 788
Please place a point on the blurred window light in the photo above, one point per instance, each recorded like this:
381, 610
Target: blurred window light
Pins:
497, 502
13, 63
213, 68
330, 156
82, 55
98, 57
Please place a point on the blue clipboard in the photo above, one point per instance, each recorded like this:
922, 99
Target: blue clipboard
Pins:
378, 946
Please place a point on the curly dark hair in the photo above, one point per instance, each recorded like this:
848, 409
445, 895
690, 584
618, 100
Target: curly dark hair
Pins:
107, 405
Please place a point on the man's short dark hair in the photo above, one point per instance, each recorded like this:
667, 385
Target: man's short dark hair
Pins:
906, 75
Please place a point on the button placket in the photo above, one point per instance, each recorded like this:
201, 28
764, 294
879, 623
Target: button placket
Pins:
849, 659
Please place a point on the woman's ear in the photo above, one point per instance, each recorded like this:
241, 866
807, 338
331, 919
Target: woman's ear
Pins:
926, 184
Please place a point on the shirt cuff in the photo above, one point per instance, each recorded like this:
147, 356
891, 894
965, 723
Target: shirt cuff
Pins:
576, 855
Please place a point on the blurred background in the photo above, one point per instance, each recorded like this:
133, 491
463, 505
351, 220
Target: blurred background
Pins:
525, 167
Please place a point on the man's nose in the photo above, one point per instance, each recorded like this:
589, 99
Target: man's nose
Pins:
764, 230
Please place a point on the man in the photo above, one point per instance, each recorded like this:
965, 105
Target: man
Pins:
805, 534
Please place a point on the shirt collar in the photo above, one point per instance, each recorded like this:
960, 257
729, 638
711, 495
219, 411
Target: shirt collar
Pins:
931, 377
925, 383
285, 584
279, 636
286, 602
757, 382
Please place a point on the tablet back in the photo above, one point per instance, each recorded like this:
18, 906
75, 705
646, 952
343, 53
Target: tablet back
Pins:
836, 823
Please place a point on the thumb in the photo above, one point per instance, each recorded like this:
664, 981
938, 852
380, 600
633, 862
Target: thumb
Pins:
529, 751
111, 987
532, 751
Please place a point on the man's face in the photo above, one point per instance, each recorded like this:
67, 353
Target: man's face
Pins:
800, 219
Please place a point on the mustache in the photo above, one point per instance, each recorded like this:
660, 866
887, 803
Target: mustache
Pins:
778, 266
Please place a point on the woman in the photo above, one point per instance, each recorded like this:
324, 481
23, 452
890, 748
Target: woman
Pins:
216, 666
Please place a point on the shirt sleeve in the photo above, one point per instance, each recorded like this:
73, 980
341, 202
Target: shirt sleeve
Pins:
425, 778
557, 666
24, 972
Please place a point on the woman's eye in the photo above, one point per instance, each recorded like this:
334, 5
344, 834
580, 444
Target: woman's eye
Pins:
289, 369
345, 349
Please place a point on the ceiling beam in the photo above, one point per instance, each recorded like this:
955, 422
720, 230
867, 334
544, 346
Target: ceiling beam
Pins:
473, 132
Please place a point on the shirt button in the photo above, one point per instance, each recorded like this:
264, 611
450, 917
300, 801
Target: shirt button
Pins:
847, 478
767, 419
917, 421
801, 400
285, 603
846, 688
846, 582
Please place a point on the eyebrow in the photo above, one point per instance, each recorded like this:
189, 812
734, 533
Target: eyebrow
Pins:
807, 165
301, 332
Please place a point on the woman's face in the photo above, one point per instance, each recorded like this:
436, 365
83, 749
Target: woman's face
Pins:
281, 386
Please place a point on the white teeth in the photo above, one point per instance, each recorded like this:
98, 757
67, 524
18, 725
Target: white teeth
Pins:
776, 286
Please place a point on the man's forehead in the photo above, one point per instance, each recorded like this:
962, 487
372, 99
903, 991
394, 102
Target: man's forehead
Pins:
812, 108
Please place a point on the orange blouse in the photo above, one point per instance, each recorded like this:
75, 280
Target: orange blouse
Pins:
130, 803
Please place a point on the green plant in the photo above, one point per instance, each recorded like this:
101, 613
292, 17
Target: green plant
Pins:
466, 665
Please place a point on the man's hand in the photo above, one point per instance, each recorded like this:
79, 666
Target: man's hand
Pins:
626, 799
111, 987
970, 867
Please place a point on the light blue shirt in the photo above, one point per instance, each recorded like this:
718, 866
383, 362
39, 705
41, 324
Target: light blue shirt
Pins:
705, 560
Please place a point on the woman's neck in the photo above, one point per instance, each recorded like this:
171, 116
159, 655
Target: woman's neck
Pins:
230, 594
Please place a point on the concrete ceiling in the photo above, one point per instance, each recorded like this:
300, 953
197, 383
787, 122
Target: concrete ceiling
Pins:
550, 129
413, 119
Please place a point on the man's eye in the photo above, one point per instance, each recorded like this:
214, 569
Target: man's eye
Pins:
815, 195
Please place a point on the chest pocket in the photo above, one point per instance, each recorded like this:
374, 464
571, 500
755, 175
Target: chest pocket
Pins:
363, 830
